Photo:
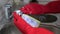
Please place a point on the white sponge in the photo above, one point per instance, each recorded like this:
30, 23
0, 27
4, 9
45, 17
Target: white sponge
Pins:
31, 21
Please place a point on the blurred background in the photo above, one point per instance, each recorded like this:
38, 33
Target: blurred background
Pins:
6, 23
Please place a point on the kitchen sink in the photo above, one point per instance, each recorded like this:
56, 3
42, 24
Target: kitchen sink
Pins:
12, 29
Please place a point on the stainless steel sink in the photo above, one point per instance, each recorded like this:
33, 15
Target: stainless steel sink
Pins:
10, 28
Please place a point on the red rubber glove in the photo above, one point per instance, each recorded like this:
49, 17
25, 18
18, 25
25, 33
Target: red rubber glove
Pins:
26, 28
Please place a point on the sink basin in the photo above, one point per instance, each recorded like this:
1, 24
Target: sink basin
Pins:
11, 29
